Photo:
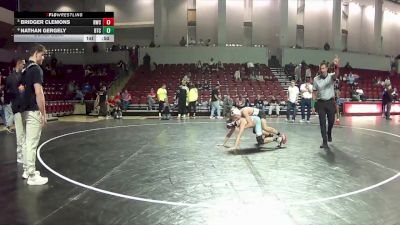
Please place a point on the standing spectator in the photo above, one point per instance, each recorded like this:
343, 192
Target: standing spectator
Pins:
146, 61
306, 90
102, 101
150, 99
387, 82
387, 99
293, 95
237, 75
10, 94
12, 83
215, 105
242, 73
250, 68
181, 96
211, 66
297, 73
273, 103
192, 97
308, 73
199, 66
227, 106
220, 66
162, 97
259, 103
126, 100
33, 113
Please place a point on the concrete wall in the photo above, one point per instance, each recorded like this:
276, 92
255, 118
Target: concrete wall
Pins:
132, 36
234, 21
318, 23
207, 20
176, 21
266, 22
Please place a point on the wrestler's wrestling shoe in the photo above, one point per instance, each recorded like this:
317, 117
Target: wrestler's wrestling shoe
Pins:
260, 140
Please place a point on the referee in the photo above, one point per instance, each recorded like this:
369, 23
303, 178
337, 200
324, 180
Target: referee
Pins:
324, 94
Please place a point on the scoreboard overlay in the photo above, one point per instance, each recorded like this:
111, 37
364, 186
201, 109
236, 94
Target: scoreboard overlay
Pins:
63, 27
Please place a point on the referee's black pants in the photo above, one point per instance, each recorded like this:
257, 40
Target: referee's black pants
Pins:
326, 109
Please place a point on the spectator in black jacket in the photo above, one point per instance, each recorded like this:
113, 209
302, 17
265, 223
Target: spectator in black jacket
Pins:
387, 99
11, 94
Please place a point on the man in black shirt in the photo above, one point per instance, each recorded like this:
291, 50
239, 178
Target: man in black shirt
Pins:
102, 99
12, 93
387, 99
215, 106
181, 96
259, 103
32, 108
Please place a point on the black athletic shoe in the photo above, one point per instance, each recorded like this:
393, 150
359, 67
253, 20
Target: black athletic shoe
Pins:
325, 146
329, 138
260, 140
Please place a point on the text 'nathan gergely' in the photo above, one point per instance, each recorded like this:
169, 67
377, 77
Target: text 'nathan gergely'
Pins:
43, 30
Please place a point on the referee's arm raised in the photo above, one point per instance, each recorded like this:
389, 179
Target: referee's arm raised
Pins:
336, 63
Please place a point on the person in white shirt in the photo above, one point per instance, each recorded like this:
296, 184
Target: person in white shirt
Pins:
237, 75
250, 67
306, 90
293, 95
360, 93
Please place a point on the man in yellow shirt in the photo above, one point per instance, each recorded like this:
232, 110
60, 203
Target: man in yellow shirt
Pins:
162, 97
192, 99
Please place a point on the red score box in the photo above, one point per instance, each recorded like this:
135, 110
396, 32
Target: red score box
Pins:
108, 21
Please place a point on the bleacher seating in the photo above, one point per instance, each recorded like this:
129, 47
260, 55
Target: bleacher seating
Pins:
171, 74
58, 101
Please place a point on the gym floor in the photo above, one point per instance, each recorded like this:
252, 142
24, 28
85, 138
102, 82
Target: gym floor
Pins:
147, 171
